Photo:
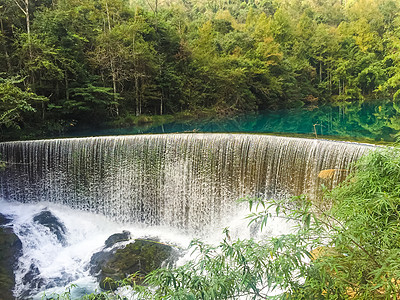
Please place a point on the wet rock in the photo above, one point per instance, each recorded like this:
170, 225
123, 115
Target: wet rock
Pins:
10, 251
32, 278
117, 237
4, 219
109, 250
47, 219
33, 282
141, 257
99, 259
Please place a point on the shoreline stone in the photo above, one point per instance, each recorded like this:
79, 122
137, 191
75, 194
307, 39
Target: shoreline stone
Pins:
10, 251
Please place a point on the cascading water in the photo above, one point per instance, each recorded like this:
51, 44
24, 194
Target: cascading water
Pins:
184, 181
49, 265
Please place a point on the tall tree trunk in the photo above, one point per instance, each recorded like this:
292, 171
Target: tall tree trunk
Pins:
113, 70
137, 94
114, 79
161, 104
5, 48
162, 91
155, 11
156, 14
28, 22
7, 59
66, 86
137, 111
320, 71
108, 17
141, 98
28, 27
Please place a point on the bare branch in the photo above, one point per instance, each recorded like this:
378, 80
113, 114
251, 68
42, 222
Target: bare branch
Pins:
151, 7
20, 7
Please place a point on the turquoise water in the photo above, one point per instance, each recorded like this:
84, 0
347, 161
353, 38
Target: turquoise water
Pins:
370, 121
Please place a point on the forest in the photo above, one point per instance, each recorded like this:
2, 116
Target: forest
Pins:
71, 63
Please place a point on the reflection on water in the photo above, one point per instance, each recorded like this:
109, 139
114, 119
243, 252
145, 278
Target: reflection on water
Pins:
369, 121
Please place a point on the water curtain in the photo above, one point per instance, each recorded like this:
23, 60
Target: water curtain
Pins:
188, 181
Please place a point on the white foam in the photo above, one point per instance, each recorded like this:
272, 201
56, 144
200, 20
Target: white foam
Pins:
86, 234
60, 266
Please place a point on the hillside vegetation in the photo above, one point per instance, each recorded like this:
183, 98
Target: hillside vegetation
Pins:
68, 62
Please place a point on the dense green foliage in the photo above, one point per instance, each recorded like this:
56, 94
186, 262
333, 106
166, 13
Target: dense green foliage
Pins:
14, 102
106, 60
349, 250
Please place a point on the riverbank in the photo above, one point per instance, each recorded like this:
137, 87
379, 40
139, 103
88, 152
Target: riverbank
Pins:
363, 122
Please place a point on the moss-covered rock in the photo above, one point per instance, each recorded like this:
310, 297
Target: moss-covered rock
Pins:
140, 257
10, 250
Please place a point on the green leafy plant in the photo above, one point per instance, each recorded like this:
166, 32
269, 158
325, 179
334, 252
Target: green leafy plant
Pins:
14, 101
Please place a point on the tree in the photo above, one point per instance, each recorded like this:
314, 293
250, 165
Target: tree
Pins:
392, 60
14, 102
128, 58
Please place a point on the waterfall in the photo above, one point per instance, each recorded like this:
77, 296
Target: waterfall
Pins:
187, 181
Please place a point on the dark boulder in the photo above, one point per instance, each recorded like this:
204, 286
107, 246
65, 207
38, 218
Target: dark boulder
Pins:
10, 251
117, 237
47, 219
32, 278
4, 220
140, 257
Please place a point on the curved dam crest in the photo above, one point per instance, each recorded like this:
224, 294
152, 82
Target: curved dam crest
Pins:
188, 181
